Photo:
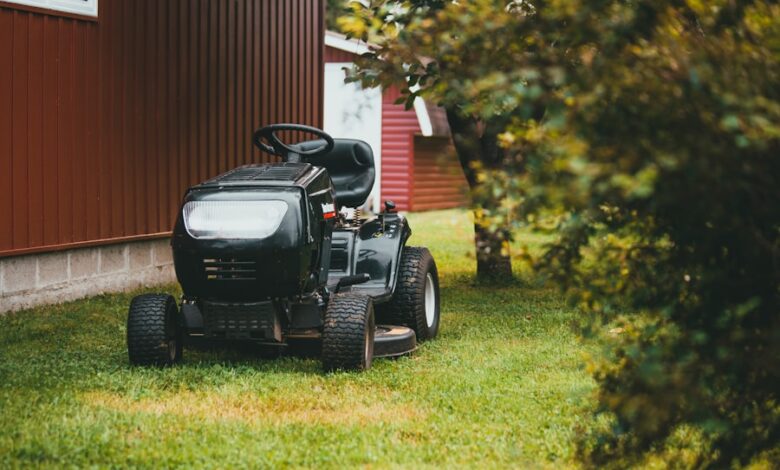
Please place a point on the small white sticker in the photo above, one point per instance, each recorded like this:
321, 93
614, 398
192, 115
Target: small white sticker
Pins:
328, 207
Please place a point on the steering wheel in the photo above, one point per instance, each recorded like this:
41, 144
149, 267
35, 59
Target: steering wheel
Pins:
277, 147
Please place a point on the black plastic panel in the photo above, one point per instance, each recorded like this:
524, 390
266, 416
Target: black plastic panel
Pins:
287, 263
374, 249
229, 269
256, 320
265, 172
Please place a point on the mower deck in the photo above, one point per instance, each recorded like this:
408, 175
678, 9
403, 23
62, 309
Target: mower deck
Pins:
389, 341
394, 341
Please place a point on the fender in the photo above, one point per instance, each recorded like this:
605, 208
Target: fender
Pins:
374, 249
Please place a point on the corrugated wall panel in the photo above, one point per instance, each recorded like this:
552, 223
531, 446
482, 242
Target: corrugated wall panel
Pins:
6, 131
398, 128
438, 181
103, 124
19, 91
337, 55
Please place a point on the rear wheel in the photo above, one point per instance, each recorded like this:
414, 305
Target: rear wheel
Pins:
415, 302
153, 331
348, 333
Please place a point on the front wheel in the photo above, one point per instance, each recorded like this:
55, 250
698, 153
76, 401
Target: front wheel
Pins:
153, 334
415, 302
348, 333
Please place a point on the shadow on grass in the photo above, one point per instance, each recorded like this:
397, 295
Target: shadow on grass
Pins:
249, 357
82, 343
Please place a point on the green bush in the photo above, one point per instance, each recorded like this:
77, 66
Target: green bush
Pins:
649, 131
666, 160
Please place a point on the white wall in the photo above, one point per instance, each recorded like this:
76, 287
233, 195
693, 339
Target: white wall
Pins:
354, 113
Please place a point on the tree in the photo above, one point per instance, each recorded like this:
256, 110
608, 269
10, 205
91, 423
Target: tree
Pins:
660, 148
416, 49
650, 131
666, 162
333, 10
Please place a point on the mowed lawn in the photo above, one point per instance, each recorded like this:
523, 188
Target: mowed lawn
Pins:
502, 386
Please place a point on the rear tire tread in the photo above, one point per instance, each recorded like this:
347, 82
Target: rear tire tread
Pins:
407, 306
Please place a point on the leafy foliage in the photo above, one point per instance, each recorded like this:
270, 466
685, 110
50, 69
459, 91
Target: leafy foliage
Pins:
333, 10
649, 133
665, 161
462, 56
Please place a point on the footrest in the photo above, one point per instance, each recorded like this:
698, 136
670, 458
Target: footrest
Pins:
394, 341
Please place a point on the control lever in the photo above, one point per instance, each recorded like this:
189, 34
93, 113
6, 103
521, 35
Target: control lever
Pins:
352, 280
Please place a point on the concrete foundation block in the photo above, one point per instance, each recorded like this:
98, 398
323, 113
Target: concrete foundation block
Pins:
52, 269
32, 280
83, 263
19, 274
162, 253
112, 259
140, 255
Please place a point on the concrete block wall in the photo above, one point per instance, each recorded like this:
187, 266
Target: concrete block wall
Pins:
40, 279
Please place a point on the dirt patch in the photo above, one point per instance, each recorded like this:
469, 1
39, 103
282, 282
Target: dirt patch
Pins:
255, 409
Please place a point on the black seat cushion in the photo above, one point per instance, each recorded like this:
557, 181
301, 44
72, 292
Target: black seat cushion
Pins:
351, 168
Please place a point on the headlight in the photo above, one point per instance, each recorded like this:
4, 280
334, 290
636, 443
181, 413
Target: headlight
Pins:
233, 219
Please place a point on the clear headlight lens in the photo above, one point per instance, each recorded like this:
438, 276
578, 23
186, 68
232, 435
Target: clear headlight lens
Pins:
233, 219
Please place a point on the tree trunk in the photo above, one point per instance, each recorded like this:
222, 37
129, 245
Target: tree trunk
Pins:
474, 144
493, 260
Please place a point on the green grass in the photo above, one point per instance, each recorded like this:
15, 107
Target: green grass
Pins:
502, 386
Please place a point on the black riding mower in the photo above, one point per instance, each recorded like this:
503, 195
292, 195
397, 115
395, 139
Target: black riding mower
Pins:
279, 254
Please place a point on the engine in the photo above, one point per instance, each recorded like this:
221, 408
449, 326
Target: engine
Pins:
255, 233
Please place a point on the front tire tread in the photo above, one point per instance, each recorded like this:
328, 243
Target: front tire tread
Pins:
147, 338
349, 320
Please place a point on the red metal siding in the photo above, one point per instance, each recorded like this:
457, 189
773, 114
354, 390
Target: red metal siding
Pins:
398, 128
438, 180
103, 124
337, 55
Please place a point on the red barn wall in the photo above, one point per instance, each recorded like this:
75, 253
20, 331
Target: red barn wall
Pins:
337, 55
104, 123
399, 126
438, 181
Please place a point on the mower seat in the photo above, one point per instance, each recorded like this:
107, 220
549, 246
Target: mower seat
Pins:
351, 168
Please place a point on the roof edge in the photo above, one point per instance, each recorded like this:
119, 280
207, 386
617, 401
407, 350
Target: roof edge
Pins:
358, 47
342, 43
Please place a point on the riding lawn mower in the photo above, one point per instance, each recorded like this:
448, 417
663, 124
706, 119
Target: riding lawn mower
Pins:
279, 254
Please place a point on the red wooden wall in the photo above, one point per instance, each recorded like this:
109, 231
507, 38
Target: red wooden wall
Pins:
438, 181
399, 126
337, 55
103, 124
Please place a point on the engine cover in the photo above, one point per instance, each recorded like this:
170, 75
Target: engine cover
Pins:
292, 260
